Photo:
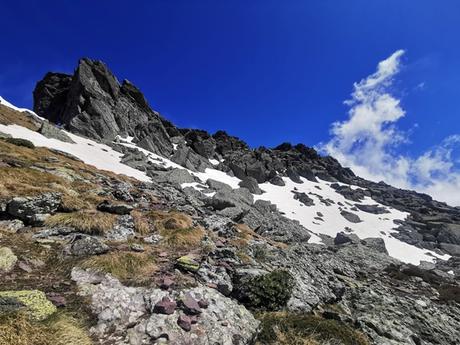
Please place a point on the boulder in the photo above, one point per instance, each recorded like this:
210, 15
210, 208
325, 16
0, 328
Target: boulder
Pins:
34, 210
217, 185
351, 217
304, 199
293, 175
343, 238
277, 181
375, 209
376, 243
50, 131
240, 198
87, 245
251, 184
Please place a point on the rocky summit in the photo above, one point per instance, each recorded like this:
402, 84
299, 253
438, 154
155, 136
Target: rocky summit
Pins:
118, 227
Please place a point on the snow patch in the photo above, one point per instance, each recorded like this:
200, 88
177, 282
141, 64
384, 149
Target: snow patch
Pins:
371, 226
98, 155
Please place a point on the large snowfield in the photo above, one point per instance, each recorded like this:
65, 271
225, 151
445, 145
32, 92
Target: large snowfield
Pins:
328, 221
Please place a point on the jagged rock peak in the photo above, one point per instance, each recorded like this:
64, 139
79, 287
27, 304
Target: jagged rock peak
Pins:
92, 102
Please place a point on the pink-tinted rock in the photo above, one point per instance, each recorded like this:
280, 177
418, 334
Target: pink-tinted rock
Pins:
219, 244
203, 303
166, 282
211, 285
57, 299
184, 322
165, 306
190, 305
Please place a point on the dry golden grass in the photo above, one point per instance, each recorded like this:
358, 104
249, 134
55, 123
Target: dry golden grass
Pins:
17, 329
126, 266
90, 222
141, 222
68, 331
170, 220
187, 238
177, 229
26, 182
283, 328
9, 116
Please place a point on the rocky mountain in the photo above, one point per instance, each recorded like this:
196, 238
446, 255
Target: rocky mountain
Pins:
141, 232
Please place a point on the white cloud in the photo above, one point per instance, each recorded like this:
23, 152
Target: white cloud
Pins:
367, 141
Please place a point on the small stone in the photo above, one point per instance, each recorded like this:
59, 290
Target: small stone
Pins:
114, 208
57, 299
135, 247
203, 303
165, 306
25, 267
166, 282
184, 322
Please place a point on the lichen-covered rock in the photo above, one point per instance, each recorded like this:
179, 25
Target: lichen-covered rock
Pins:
33, 302
7, 260
11, 225
187, 263
34, 210
131, 314
87, 245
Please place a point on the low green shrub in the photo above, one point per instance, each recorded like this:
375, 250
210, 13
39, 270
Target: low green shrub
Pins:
269, 292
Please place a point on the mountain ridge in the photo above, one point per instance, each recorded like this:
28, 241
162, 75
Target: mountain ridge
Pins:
92, 79
128, 230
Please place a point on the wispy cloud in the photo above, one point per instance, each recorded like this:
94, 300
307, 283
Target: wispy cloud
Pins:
368, 140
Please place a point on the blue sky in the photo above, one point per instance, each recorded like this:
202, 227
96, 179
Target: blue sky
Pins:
266, 71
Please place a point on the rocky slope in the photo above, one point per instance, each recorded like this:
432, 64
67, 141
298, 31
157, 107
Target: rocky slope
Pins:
140, 232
